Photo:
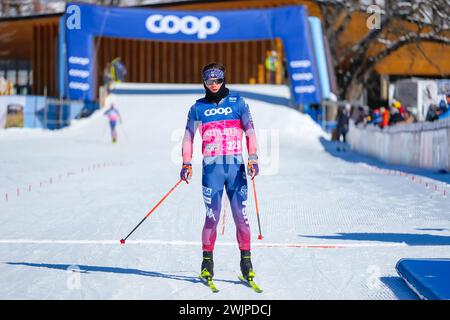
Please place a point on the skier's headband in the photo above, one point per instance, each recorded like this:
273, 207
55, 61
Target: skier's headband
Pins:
213, 73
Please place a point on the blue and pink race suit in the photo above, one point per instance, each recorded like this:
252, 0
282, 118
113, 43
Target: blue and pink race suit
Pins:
221, 127
113, 116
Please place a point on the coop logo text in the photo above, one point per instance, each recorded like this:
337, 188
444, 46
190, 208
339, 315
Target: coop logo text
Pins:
213, 112
189, 25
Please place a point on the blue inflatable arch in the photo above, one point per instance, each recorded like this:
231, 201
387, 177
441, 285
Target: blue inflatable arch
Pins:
85, 22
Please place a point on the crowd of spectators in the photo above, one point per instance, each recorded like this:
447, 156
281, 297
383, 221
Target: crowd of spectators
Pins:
441, 111
397, 114
383, 116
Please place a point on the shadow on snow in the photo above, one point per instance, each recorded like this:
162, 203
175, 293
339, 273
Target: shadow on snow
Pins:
355, 157
90, 269
411, 239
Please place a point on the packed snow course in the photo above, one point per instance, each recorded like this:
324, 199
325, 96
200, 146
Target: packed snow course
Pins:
334, 224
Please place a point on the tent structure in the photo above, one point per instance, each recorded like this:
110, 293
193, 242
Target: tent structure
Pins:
83, 22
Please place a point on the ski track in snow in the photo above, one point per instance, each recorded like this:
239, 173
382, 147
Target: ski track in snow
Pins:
333, 229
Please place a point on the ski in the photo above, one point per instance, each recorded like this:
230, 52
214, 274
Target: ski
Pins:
249, 282
208, 282
206, 278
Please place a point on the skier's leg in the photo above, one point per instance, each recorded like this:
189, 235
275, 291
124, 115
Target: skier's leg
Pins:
113, 130
212, 185
236, 186
207, 268
338, 139
344, 135
212, 182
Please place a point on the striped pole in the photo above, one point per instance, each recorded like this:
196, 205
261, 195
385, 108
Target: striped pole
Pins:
260, 237
122, 241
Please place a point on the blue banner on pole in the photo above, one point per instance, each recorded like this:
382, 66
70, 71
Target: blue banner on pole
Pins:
85, 22
319, 52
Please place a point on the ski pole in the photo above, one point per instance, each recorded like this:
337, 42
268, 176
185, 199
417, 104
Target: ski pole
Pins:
260, 237
122, 241
225, 205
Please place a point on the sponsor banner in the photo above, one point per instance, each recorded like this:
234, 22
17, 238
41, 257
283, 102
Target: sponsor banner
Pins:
306, 76
300, 64
84, 22
319, 52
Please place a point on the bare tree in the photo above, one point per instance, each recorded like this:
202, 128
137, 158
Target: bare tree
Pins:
399, 23
13, 8
17, 7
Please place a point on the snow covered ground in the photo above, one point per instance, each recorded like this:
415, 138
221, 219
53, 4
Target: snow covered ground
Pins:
334, 224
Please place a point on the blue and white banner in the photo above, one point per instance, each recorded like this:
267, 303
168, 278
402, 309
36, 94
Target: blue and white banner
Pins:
319, 53
85, 22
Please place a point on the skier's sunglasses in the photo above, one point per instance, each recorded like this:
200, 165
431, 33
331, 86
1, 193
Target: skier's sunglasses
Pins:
211, 81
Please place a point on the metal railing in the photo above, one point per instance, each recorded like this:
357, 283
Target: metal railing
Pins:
423, 144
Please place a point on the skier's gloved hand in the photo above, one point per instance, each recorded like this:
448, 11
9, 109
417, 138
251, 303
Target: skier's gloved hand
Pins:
186, 172
252, 166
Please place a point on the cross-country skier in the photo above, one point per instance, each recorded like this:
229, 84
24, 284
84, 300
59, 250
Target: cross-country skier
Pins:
113, 116
221, 118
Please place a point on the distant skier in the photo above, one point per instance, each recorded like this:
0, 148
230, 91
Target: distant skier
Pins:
221, 118
113, 116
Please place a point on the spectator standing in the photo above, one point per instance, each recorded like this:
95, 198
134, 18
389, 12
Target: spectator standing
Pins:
271, 64
433, 113
118, 70
385, 114
342, 120
115, 71
398, 106
444, 109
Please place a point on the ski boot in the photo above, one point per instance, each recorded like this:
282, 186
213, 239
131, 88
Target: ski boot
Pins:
247, 271
246, 265
207, 270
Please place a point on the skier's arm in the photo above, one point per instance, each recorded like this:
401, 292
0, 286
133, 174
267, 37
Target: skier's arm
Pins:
249, 129
188, 139
247, 125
